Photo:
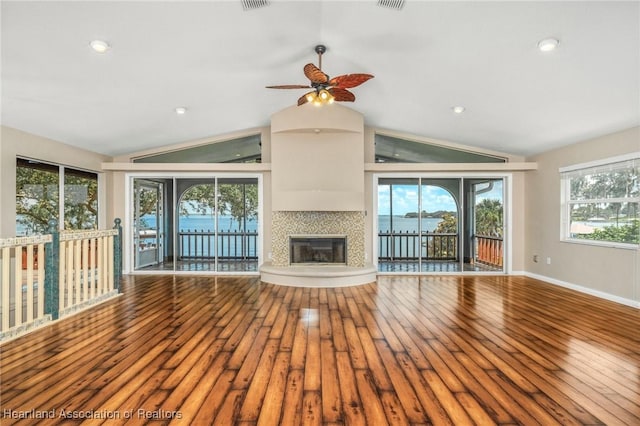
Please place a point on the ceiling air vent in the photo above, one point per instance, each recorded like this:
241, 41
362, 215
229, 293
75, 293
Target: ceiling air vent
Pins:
254, 4
391, 4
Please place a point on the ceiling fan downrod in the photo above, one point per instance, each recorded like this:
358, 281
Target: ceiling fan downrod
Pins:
320, 49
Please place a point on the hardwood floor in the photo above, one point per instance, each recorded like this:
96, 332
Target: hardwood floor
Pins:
405, 350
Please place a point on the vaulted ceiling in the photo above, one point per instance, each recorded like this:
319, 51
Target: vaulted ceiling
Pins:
215, 59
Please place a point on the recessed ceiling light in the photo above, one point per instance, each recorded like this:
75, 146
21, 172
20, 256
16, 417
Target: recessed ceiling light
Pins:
181, 110
548, 44
99, 46
458, 109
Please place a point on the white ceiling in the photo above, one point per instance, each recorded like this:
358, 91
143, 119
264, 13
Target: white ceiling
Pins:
216, 59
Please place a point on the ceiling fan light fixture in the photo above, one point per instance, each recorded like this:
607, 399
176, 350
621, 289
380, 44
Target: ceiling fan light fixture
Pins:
326, 90
320, 97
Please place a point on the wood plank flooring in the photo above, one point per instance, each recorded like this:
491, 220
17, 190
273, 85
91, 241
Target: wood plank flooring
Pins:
405, 350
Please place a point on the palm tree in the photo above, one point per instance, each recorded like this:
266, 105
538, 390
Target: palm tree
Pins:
489, 218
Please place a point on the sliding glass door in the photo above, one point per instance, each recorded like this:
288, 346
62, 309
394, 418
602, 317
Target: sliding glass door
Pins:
434, 224
417, 224
211, 224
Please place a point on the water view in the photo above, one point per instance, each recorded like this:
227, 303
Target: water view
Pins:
404, 224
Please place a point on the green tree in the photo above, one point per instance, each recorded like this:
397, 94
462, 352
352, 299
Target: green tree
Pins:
237, 200
628, 233
489, 218
442, 245
621, 183
448, 224
38, 198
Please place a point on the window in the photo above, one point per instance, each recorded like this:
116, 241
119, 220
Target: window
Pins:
395, 150
601, 202
241, 150
48, 191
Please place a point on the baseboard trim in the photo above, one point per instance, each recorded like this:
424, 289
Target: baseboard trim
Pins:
586, 290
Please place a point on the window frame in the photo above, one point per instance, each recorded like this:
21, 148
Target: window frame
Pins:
570, 172
61, 171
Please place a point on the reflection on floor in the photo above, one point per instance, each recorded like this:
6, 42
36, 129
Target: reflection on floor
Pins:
434, 266
205, 266
383, 266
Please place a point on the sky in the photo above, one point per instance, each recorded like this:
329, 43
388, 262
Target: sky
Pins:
434, 198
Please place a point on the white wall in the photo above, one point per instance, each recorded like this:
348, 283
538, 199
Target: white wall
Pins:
609, 272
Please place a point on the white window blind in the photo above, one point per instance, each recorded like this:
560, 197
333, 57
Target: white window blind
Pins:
601, 201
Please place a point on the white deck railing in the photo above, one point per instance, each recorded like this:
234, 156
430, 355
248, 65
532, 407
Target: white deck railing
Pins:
46, 277
85, 269
22, 287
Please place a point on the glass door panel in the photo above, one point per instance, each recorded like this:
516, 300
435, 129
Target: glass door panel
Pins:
197, 225
148, 220
237, 238
440, 227
399, 225
486, 225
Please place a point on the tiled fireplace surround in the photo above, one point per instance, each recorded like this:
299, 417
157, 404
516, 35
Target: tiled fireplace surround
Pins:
287, 223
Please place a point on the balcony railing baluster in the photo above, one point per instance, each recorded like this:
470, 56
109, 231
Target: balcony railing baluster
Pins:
403, 246
232, 245
489, 250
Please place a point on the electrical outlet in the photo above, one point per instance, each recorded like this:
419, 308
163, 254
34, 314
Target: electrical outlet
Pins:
548, 261
535, 258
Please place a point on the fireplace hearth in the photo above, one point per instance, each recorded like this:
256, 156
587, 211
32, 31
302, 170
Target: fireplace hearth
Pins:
318, 249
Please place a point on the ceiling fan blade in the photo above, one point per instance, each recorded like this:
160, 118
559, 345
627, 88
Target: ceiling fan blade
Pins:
349, 80
342, 95
290, 86
315, 74
303, 99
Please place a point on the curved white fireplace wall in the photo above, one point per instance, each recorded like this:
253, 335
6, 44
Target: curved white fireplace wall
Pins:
317, 187
317, 159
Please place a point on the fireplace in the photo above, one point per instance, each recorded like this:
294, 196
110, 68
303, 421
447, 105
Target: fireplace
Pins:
318, 249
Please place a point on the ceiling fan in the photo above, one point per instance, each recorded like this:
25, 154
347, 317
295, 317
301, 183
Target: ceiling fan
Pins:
325, 89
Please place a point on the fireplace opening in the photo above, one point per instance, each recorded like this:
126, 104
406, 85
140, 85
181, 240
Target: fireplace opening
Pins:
318, 249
